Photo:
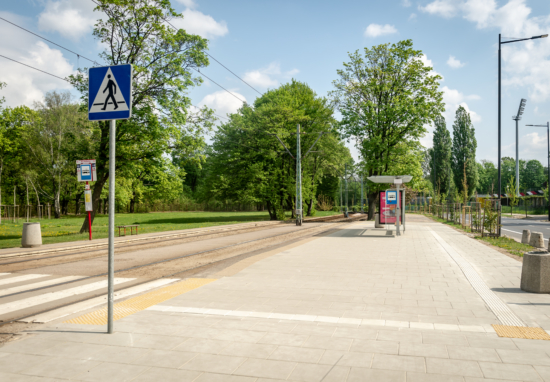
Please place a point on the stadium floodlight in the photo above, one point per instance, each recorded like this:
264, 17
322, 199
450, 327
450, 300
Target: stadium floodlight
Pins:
500, 42
517, 118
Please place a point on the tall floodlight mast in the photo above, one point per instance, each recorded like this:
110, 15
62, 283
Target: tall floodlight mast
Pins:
517, 118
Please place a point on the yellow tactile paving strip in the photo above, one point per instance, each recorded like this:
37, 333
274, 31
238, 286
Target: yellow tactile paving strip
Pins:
138, 303
521, 332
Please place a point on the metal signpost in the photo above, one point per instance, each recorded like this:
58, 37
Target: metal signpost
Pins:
86, 172
298, 178
109, 99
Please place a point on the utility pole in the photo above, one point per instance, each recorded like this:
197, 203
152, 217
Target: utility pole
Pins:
346, 180
362, 210
517, 118
341, 200
298, 178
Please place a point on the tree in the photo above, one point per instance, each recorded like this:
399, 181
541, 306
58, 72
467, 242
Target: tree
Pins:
512, 193
56, 121
135, 32
248, 164
464, 151
487, 177
386, 96
441, 156
533, 176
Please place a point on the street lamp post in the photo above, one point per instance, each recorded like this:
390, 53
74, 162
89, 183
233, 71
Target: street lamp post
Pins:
500, 42
517, 118
547, 157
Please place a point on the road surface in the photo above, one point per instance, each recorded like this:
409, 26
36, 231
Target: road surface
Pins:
514, 227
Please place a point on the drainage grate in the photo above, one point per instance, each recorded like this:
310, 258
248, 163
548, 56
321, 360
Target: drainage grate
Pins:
499, 308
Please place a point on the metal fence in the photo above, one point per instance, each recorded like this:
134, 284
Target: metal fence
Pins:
473, 216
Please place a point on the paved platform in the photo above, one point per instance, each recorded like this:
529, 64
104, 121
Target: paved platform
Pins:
349, 306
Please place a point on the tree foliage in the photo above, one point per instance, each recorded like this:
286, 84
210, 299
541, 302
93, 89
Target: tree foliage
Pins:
386, 96
249, 165
136, 32
440, 157
464, 151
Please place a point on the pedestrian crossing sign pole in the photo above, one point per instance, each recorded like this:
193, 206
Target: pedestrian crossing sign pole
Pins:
109, 99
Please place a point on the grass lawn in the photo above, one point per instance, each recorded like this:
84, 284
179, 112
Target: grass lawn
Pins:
67, 228
519, 210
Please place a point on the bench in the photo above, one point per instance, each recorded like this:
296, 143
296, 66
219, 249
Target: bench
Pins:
131, 226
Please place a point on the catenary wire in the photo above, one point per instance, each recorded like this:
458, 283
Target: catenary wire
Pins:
32, 67
226, 68
64, 79
50, 41
205, 76
200, 71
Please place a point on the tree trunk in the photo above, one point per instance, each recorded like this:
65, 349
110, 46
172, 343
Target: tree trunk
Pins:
372, 204
77, 203
102, 173
57, 206
309, 206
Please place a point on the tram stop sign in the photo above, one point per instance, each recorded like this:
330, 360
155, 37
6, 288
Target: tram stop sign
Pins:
86, 171
391, 197
110, 93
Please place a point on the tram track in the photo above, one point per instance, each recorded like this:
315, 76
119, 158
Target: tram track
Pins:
209, 259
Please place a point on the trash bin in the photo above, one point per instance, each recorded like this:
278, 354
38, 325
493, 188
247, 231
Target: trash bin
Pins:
32, 235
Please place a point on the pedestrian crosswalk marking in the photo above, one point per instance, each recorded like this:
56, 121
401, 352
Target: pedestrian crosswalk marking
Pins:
41, 284
17, 279
52, 296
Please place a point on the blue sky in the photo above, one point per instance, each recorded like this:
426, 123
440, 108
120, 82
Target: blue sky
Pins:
268, 43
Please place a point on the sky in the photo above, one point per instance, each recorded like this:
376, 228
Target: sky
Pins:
269, 43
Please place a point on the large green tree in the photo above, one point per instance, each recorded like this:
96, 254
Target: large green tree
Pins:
386, 96
533, 176
249, 165
440, 157
136, 32
464, 151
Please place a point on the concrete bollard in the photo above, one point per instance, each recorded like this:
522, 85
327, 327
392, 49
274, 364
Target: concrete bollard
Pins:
377, 221
536, 240
525, 236
535, 272
32, 236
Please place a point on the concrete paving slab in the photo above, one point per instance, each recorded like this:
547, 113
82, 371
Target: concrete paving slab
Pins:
343, 307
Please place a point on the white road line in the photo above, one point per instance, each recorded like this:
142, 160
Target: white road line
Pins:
52, 296
520, 233
327, 319
93, 302
22, 288
17, 279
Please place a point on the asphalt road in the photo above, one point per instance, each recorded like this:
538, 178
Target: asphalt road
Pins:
514, 227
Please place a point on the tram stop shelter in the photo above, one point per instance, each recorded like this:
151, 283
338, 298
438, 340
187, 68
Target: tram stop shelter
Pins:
397, 180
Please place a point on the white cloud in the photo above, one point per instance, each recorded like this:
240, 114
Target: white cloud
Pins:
427, 62
406, 3
222, 102
70, 18
196, 22
454, 63
453, 99
188, 3
375, 30
444, 8
269, 76
412, 16
531, 146
524, 63
26, 85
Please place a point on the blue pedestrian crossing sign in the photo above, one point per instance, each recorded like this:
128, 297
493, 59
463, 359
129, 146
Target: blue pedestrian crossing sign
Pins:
110, 92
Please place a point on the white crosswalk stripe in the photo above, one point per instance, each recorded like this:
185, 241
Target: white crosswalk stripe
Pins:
41, 284
93, 302
17, 279
52, 296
